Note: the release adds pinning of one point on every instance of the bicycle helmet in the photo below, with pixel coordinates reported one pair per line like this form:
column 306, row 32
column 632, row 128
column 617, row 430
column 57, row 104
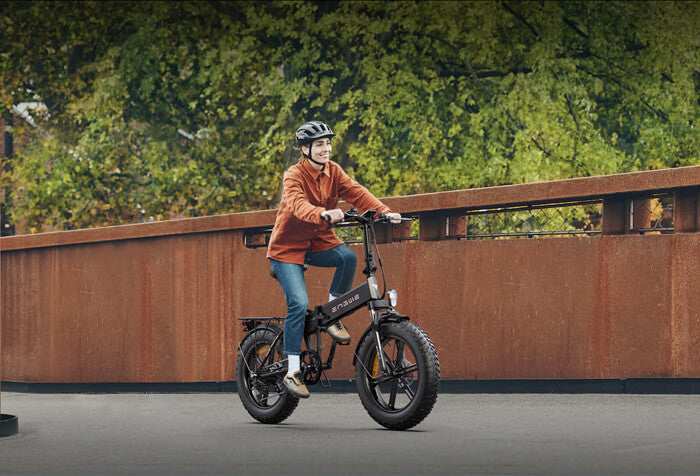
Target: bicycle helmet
column 308, row 132
column 311, row 131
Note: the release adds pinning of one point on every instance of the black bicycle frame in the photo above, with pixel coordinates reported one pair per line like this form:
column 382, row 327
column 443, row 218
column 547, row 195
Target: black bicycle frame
column 366, row 294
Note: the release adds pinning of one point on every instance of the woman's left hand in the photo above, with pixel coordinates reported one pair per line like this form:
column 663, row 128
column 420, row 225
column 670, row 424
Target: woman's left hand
column 394, row 217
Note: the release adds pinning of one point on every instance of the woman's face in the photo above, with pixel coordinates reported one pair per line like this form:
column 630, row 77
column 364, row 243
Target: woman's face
column 320, row 150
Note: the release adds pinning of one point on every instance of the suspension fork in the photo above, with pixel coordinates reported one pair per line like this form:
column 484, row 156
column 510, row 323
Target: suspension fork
column 378, row 339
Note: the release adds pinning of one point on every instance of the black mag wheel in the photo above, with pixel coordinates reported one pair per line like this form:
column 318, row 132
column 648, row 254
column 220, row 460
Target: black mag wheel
column 265, row 398
column 403, row 395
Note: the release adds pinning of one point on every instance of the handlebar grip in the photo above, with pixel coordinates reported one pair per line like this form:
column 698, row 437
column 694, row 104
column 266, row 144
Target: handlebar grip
column 385, row 217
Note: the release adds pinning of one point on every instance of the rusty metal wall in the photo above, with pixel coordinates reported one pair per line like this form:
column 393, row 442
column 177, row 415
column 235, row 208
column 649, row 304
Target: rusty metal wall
column 161, row 307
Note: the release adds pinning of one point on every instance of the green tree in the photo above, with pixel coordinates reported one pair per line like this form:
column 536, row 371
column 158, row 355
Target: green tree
column 168, row 109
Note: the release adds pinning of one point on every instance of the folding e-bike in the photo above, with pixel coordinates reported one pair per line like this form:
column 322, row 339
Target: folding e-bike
column 396, row 365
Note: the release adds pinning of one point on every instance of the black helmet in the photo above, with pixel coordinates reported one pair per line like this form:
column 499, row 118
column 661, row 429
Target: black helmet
column 311, row 131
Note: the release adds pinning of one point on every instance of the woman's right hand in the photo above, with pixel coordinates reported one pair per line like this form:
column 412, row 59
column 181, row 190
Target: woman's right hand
column 334, row 215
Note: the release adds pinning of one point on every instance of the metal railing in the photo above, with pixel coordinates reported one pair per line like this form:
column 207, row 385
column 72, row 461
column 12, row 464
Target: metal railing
column 650, row 202
column 648, row 214
column 529, row 221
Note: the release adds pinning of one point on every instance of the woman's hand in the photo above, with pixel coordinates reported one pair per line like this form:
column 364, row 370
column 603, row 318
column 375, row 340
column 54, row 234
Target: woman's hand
column 394, row 217
column 335, row 215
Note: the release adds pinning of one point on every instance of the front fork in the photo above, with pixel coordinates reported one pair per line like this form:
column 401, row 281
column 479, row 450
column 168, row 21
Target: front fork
column 374, row 293
column 378, row 339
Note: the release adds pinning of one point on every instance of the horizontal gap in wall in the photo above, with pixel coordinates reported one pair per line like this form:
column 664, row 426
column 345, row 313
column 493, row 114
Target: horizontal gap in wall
column 610, row 386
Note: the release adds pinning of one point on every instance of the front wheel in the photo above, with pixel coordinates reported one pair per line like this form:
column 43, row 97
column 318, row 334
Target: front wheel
column 404, row 394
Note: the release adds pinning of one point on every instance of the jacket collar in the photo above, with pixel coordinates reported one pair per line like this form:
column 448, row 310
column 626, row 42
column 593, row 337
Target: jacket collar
column 316, row 174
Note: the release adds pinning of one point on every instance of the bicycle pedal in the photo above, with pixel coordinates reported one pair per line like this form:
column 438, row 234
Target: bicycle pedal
column 326, row 383
column 342, row 343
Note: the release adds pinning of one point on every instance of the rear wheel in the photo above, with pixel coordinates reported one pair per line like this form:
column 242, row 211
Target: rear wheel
column 404, row 394
column 264, row 397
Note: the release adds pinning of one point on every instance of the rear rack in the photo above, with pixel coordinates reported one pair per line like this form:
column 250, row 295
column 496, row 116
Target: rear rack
column 250, row 323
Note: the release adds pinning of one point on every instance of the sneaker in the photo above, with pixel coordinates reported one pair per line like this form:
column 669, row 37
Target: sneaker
column 295, row 386
column 338, row 332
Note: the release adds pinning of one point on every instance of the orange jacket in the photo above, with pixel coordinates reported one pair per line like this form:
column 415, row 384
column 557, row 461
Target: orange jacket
column 307, row 193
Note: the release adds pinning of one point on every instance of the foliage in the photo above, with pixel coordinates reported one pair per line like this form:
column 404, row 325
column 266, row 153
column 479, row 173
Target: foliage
column 424, row 96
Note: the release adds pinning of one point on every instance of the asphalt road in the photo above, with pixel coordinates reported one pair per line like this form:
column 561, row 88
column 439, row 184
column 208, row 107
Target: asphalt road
column 332, row 434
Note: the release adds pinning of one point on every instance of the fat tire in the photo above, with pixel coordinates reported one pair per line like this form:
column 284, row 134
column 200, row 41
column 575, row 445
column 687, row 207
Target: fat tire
column 287, row 403
column 428, row 385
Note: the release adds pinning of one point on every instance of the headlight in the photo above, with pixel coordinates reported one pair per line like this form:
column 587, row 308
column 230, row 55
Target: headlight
column 393, row 297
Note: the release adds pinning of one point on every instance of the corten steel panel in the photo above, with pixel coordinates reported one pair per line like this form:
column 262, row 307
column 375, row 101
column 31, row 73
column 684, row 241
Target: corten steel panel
column 685, row 312
column 163, row 309
column 636, row 304
column 21, row 306
column 508, row 309
column 616, row 215
column 686, row 210
column 142, row 310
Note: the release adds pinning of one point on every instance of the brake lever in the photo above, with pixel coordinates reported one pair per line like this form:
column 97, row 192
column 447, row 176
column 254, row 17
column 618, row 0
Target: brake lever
column 351, row 213
column 348, row 218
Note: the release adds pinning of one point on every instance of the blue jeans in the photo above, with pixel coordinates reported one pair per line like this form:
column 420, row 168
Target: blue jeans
column 291, row 278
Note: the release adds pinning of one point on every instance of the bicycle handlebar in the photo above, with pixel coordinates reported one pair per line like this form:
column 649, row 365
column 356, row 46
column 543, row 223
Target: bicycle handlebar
column 351, row 217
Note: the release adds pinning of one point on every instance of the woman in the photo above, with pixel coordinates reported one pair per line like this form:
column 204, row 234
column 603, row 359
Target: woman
column 302, row 234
